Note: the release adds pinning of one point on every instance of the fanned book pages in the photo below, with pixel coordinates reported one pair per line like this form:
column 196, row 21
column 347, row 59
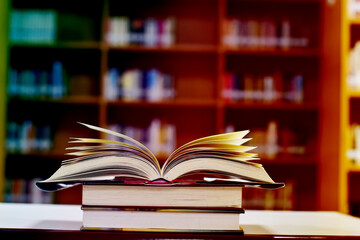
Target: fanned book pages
column 99, row 160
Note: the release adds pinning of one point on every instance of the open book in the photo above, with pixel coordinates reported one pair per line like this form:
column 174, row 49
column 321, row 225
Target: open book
column 102, row 160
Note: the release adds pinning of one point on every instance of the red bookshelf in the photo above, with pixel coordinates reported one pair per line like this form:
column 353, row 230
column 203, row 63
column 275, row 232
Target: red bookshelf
column 197, row 58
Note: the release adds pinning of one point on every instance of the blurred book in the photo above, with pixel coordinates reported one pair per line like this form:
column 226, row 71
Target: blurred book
column 26, row 137
column 354, row 67
column 150, row 32
column 33, row 26
column 354, row 153
column 25, row 191
column 267, row 88
column 261, row 34
column 274, row 141
column 134, row 85
column 38, row 83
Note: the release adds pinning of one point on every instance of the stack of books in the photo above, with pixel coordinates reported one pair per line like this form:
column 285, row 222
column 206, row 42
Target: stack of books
column 161, row 207
column 198, row 188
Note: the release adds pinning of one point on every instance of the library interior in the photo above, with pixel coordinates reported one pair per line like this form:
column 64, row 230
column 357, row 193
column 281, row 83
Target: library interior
column 168, row 72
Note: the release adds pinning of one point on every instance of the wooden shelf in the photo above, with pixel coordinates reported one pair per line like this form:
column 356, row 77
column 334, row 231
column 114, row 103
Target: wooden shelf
column 290, row 160
column 353, row 168
column 274, row 106
column 191, row 103
column 177, row 48
column 291, row 52
column 77, row 100
column 197, row 61
column 70, row 45
column 354, row 93
column 353, row 21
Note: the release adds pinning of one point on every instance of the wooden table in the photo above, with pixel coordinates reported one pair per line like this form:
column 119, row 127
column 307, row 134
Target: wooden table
column 46, row 221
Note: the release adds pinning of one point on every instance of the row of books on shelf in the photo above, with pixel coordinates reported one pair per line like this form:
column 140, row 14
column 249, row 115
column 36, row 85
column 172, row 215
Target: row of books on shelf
column 33, row 26
column 274, row 141
column 38, row 83
column 354, row 8
column 193, row 208
column 354, row 152
column 159, row 136
column 354, row 67
column 162, row 208
column 281, row 199
column 268, row 88
column 124, row 31
column 134, row 84
column 27, row 137
column 254, row 33
column 25, row 191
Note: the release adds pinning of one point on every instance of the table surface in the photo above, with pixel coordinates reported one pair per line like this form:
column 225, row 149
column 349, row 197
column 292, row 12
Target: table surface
column 51, row 217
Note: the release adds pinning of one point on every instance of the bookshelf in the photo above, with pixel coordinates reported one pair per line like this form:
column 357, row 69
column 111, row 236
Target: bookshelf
column 350, row 102
column 194, row 51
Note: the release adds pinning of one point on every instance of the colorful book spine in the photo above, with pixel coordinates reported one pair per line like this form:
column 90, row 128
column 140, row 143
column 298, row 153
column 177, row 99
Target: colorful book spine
column 354, row 8
column 256, row 33
column 267, row 88
column 38, row 84
column 354, row 69
column 26, row 137
column 33, row 26
column 282, row 199
column 273, row 141
column 25, row 191
column 354, row 153
column 151, row 32
column 135, row 85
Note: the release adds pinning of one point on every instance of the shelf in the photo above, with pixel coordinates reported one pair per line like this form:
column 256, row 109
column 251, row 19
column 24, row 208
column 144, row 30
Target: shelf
column 178, row 48
column 354, row 21
column 274, row 106
column 353, row 168
column 289, row 160
column 78, row 100
column 198, row 62
column 38, row 155
column 295, row 52
column 354, row 93
column 175, row 103
column 67, row 45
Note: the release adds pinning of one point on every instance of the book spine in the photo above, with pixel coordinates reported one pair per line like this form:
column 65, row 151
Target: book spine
column 354, row 153
column 267, row 88
column 38, row 83
column 275, row 141
column 25, row 191
column 150, row 32
column 282, row 199
column 257, row 33
column 26, row 137
column 33, row 26
column 136, row 84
